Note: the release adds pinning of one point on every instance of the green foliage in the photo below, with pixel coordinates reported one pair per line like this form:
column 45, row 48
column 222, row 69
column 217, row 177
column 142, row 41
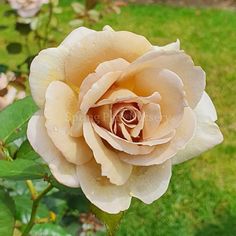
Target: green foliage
column 111, row 221
column 23, row 208
column 22, row 170
column 27, row 152
column 14, row 48
column 7, row 214
column 49, row 229
column 22, row 28
column 13, row 119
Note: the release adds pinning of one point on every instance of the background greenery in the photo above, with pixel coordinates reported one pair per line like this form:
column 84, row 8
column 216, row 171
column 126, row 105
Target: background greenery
column 201, row 199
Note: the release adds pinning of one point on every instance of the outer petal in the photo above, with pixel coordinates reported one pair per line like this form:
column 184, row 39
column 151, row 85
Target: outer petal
column 112, row 167
column 62, row 170
column 103, row 46
column 207, row 134
column 175, row 46
column 150, row 183
column 48, row 66
column 193, row 77
column 76, row 36
column 108, row 197
column 60, row 106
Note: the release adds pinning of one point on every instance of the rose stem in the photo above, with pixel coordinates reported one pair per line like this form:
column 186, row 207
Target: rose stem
column 34, row 209
column 32, row 189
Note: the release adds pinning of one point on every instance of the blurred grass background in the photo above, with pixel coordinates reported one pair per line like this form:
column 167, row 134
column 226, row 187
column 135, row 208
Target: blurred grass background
column 201, row 199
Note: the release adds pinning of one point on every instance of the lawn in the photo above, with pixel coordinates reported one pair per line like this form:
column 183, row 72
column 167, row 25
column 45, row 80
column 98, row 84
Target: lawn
column 201, row 199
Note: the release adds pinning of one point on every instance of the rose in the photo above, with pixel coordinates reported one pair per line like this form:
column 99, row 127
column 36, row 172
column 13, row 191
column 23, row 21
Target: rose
column 116, row 112
column 27, row 8
column 8, row 92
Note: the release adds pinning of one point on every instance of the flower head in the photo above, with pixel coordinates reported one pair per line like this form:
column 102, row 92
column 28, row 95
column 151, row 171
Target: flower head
column 27, row 8
column 116, row 112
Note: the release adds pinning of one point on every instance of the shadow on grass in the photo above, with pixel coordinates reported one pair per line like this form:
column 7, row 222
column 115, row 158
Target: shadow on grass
column 225, row 226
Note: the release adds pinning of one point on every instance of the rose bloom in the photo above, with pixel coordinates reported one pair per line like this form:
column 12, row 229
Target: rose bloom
column 116, row 112
column 8, row 92
column 27, row 8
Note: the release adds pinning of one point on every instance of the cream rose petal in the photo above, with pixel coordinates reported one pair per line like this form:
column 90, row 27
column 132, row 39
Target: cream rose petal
column 163, row 152
column 103, row 46
column 62, row 170
column 172, row 101
column 152, row 120
column 118, row 64
column 193, row 77
column 207, row 134
column 139, row 127
column 48, row 66
column 116, row 95
column 112, row 167
column 121, row 144
column 76, row 36
column 175, row 46
column 98, row 89
column 150, row 183
column 108, row 197
column 60, row 106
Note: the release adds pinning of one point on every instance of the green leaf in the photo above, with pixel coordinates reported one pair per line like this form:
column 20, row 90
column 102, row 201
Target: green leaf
column 7, row 214
column 111, row 221
column 14, row 118
column 49, row 229
column 22, row 170
column 27, row 152
column 23, row 29
column 14, row 48
column 20, row 133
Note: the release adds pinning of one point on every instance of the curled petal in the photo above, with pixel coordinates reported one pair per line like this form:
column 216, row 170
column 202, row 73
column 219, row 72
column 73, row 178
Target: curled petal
column 121, row 144
column 60, row 106
column 152, row 120
column 175, row 46
column 48, row 66
column 150, row 183
column 62, row 170
column 170, row 88
column 108, row 197
column 97, row 90
column 207, row 134
column 118, row 64
column 164, row 152
column 116, row 95
column 76, row 36
column 112, row 167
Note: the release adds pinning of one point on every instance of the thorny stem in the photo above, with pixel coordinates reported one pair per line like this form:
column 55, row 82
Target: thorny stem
column 34, row 210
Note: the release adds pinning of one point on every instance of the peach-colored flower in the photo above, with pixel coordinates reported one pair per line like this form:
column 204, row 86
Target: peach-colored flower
column 27, row 8
column 116, row 112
